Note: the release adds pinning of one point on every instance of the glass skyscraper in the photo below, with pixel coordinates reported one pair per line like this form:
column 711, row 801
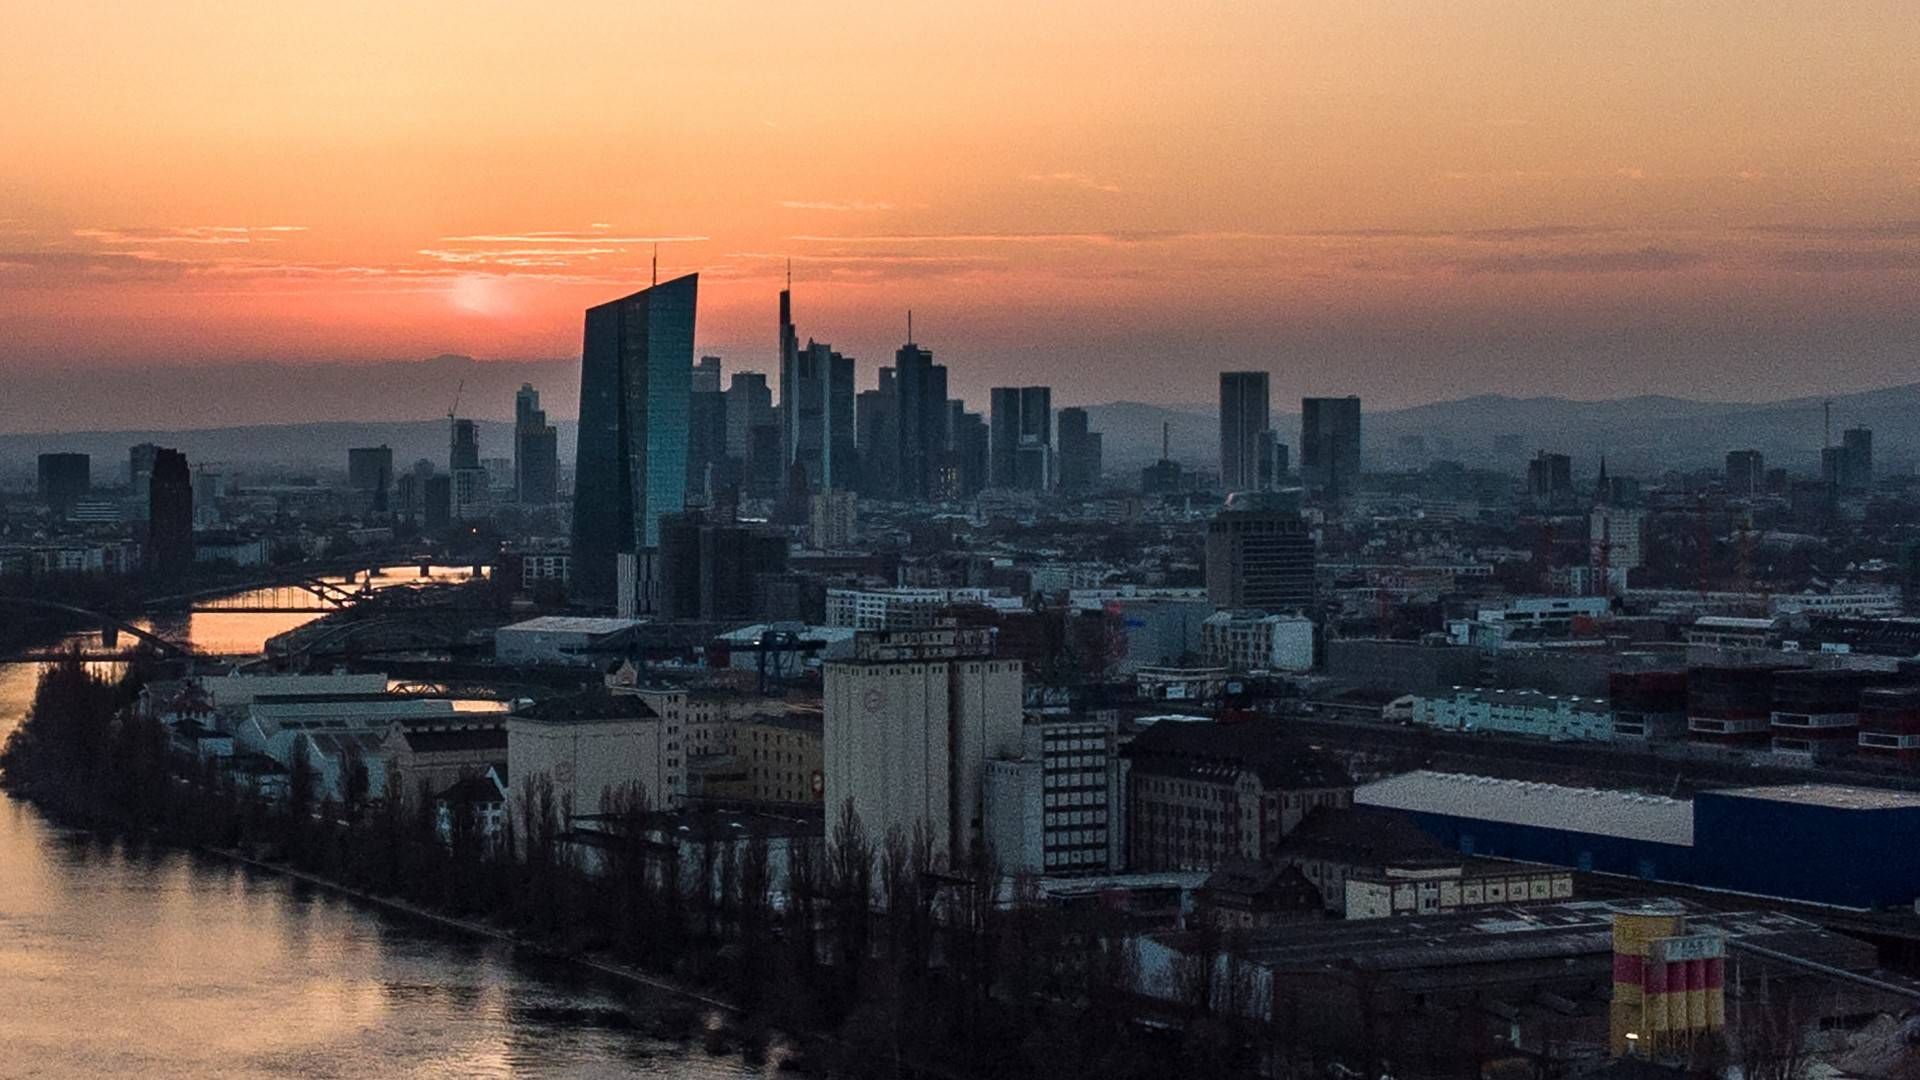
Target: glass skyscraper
column 636, row 379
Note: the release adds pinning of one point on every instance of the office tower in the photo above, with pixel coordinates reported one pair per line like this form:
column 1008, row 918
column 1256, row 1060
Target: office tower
column 1330, row 446
column 763, row 477
column 818, row 418
column 636, row 376
column 1273, row 463
column 436, row 512
column 910, row 724
column 140, row 466
column 706, row 424
column 1244, row 417
column 536, row 451
column 64, row 479
column 1079, row 453
column 1550, row 478
column 749, row 405
column 708, row 568
column 1833, row 466
column 1746, row 473
column 1858, row 445
column 464, row 450
column 972, row 451
column 1022, row 423
column 170, row 515
column 1260, row 554
column 920, row 390
column 471, row 486
column 370, row 475
column 877, row 432
column 706, row 376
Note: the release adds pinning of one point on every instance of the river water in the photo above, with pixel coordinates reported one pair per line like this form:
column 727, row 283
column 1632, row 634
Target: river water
column 155, row 963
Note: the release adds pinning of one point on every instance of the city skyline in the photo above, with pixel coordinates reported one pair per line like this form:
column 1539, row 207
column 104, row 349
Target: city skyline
column 1595, row 205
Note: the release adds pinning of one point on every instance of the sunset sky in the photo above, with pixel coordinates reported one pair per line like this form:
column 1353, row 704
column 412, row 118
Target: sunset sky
column 1409, row 201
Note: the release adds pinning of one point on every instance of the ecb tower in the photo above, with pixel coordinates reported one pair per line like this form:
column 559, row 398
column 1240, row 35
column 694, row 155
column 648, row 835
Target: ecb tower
column 636, row 380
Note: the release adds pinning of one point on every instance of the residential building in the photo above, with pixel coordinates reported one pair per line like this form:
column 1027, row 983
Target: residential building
column 1559, row 717
column 895, row 609
column 635, row 377
column 832, row 520
column 1047, row 809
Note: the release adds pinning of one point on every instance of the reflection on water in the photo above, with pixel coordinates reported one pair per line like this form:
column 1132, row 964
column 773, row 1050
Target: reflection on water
column 128, row 961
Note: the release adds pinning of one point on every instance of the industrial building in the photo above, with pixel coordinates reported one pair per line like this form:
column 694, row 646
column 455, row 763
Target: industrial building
column 561, row 639
column 1818, row 843
column 1531, row 713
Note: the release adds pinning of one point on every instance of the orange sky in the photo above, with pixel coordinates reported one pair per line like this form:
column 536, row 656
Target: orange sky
column 1405, row 200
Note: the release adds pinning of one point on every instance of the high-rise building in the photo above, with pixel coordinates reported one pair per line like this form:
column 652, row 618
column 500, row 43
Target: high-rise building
column 1022, row 437
column 1244, row 418
column 1550, row 478
column 1857, row 474
column 920, row 391
column 64, row 479
column 170, row 515
column 971, row 446
column 140, row 466
column 1746, row 473
column 1273, row 464
column 749, row 405
column 708, row 568
column 706, row 424
column 536, row 451
column 472, row 487
column 635, row 380
column 816, row 406
column 436, row 496
column 370, row 475
column 832, row 521
column 1080, row 450
column 706, row 375
column 1260, row 554
column 911, row 722
column 877, row 428
column 1330, row 446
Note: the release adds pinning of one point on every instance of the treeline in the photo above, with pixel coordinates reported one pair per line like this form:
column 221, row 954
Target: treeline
column 898, row 965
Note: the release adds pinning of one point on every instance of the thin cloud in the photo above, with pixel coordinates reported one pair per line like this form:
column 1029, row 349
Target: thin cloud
column 1882, row 229
column 1073, row 179
column 563, row 236
column 1830, row 260
column 190, row 234
column 855, row 207
column 1642, row 260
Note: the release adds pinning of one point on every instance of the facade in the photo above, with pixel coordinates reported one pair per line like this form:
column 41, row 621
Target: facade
column 785, row 759
column 369, row 473
column 1444, row 890
column 920, row 423
column 1047, row 810
column 1257, row 641
column 894, row 609
column 1616, row 536
column 635, row 378
column 1730, row 704
column 1856, row 471
column 1816, row 713
column 1022, row 437
column 911, row 723
column 170, row 515
column 559, row 639
column 749, row 405
column 1746, row 474
column 1330, row 446
column 433, row 756
column 1201, row 794
column 595, row 744
column 1259, row 555
column 832, row 520
column 1550, row 478
column 63, row 480
column 1890, row 725
column 1561, row 718
column 1245, row 403
column 1156, row 630
column 708, row 569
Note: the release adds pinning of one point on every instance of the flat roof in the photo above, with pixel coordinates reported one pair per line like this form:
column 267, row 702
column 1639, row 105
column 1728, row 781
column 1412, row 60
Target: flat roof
column 571, row 624
column 1834, row 796
column 1627, row 815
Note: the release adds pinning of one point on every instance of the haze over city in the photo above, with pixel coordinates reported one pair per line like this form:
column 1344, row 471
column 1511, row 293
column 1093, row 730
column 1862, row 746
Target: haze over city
column 1410, row 202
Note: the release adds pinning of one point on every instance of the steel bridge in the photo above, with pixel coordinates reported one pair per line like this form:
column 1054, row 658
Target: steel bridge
column 110, row 626
column 309, row 595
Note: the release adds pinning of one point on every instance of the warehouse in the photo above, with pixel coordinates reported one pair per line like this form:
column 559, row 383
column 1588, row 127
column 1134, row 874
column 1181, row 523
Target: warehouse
column 561, row 639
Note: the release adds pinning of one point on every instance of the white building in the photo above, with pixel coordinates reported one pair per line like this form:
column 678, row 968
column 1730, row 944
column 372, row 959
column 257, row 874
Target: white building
column 1619, row 534
column 593, row 744
column 557, row 639
column 1540, row 616
column 1046, row 812
column 900, row 609
column 1257, row 641
column 1444, row 890
column 911, row 722
column 1517, row 712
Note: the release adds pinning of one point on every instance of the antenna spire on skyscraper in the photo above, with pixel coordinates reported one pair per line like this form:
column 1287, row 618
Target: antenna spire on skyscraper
column 909, row 326
column 656, row 262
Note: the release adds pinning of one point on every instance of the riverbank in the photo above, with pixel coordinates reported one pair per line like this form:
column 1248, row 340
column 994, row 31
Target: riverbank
column 478, row 929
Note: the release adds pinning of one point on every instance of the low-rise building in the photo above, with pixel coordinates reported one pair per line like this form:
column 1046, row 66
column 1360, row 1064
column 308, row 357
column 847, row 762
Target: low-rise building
column 1048, row 809
column 594, row 744
column 1258, row 641
column 1516, row 712
column 561, row 639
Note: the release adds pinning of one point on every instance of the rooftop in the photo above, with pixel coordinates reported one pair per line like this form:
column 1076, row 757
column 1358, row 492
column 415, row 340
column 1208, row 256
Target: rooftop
column 1833, row 796
column 1624, row 814
column 571, row 624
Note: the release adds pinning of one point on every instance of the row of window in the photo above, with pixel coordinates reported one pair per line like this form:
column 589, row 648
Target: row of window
column 1077, row 798
column 1077, row 817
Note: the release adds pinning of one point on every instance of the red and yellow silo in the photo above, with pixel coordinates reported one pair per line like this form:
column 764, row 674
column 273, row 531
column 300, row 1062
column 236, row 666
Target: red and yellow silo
column 1668, row 983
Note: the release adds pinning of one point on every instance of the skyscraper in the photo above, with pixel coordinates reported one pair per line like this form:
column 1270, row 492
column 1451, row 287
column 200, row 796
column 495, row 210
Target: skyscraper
column 1746, row 473
column 1022, row 427
column 472, row 490
column 636, row 376
column 170, row 515
column 920, row 389
column 749, row 405
column 536, row 451
column 64, row 479
column 1244, row 417
column 370, row 475
column 1260, row 554
column 706, row 423
column 1857, row 474
column 1080, row 450
column 1330, row 446
column 1273, row 463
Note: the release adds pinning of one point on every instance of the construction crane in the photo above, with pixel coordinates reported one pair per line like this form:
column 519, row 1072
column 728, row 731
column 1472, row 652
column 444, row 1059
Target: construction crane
column 453, row 410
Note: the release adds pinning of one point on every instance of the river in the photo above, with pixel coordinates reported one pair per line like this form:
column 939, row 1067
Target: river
column 117, row 960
